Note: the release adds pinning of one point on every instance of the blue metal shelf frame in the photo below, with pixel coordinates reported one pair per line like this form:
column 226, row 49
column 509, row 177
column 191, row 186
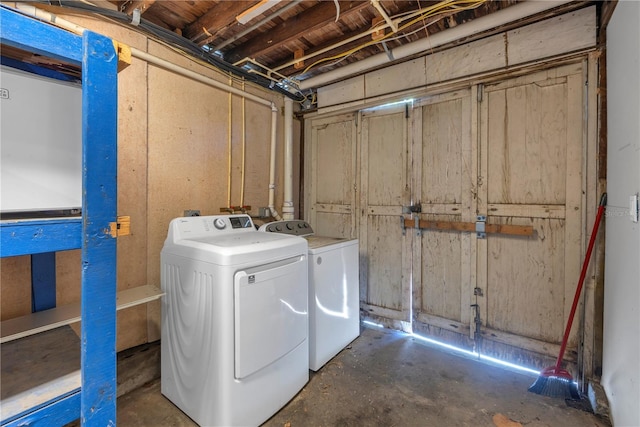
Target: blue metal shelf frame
column 96, row 405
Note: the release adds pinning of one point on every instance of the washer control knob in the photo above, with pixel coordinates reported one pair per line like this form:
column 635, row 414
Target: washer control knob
column 219, row 223
column 278, row 228
column 289, row 226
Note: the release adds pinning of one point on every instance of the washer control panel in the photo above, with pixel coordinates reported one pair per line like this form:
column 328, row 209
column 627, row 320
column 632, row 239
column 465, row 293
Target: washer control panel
column 202, row 226
column 296, row 227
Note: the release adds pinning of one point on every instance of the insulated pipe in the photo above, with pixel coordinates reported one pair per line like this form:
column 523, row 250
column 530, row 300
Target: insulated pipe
column 485, row 23
column 287, row 207
column 70, row 26
column 272, row 164
column 195, row 76
column 230, row 146
column 244, row 149
column 44, row 15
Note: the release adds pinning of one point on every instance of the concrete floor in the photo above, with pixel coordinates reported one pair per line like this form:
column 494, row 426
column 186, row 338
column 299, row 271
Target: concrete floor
column 385, row 378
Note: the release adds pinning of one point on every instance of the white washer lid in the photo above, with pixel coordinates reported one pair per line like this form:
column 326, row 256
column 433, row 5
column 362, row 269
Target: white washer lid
column 319, row 244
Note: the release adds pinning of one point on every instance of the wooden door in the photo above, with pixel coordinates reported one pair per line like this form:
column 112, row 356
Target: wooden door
column 385, row 261
column 445, row 184
column 532, row 134
column 331, row 164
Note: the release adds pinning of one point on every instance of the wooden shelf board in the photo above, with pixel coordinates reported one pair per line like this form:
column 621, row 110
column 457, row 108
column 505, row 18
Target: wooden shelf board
column 39, row 396
column 45, row 320
column 39, row 370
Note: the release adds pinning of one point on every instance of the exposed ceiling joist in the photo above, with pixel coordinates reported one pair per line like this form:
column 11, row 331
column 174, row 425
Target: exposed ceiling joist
column 216, row 19
column 312, row 19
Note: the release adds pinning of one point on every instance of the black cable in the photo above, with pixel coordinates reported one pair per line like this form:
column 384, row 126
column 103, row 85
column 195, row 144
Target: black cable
column 180, row 42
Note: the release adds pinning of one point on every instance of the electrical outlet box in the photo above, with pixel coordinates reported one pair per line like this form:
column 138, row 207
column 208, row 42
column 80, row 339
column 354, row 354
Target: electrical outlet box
column 633, row 207
column 192, row 212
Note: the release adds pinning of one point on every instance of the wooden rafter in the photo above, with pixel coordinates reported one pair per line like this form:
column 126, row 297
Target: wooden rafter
column 314, row 18
column 220, row 16
column 142, row 5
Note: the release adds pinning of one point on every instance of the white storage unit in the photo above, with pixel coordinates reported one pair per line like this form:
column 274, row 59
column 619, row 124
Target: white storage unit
column 334, row 307
column 41, row 147
column 234, row 320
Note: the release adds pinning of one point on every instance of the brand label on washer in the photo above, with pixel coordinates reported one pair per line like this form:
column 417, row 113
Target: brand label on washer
column 252, row 279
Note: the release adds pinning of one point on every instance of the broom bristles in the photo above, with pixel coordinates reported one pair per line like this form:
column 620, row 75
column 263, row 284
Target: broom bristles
column 554, row 386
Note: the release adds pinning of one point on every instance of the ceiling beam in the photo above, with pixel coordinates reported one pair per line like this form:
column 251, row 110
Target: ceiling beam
column 314, row 18
column 289, row 71
column 142, row 5
column 219, row 17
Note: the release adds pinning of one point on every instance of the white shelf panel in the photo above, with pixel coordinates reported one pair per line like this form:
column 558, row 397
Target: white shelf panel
column 30, row 324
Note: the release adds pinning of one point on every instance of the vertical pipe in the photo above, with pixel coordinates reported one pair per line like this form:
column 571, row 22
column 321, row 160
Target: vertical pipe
column 272, row 163
column 229, row 147
column 287, row 207
column 244, row 145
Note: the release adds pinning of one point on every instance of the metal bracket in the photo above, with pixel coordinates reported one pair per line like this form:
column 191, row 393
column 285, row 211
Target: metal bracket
column 404, row 229
column 481, row 230
column 416, row 225
column 478, row 292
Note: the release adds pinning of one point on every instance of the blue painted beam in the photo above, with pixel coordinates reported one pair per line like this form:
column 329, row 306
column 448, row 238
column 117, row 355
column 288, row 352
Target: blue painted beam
column 99, row 165
column 45, row 40
column 58, row 412
column 43, row 281
column 39, row 236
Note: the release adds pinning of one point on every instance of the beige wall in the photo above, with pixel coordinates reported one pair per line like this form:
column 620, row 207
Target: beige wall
column 172, row 155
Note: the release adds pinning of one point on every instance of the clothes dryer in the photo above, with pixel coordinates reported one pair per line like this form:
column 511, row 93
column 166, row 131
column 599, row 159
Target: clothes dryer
column 234, row 319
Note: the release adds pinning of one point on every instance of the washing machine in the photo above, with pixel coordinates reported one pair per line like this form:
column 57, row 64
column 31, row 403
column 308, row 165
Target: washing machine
column 334, row 297
column 234, row 345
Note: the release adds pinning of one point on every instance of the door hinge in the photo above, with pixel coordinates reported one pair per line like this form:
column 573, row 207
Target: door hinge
column 122, row 227
column 481, row 229
column 477, row 321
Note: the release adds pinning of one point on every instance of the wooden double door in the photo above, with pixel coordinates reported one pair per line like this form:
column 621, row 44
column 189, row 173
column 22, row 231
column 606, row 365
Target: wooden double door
column 507, row 153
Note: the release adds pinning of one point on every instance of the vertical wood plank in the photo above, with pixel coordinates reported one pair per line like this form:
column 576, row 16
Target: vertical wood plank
column 575, row 245
column 489, row 103
column 363, row 139
column 99, row 164
column 591, row 327
column 417, row 165
column 468, row 201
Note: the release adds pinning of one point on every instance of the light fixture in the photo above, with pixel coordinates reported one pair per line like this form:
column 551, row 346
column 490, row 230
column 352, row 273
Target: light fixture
column 256, row 10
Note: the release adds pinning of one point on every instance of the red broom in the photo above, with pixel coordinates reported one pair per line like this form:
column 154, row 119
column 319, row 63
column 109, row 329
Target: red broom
column 555, row 381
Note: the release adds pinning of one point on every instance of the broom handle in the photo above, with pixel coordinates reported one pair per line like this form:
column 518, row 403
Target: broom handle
column 583, row 273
